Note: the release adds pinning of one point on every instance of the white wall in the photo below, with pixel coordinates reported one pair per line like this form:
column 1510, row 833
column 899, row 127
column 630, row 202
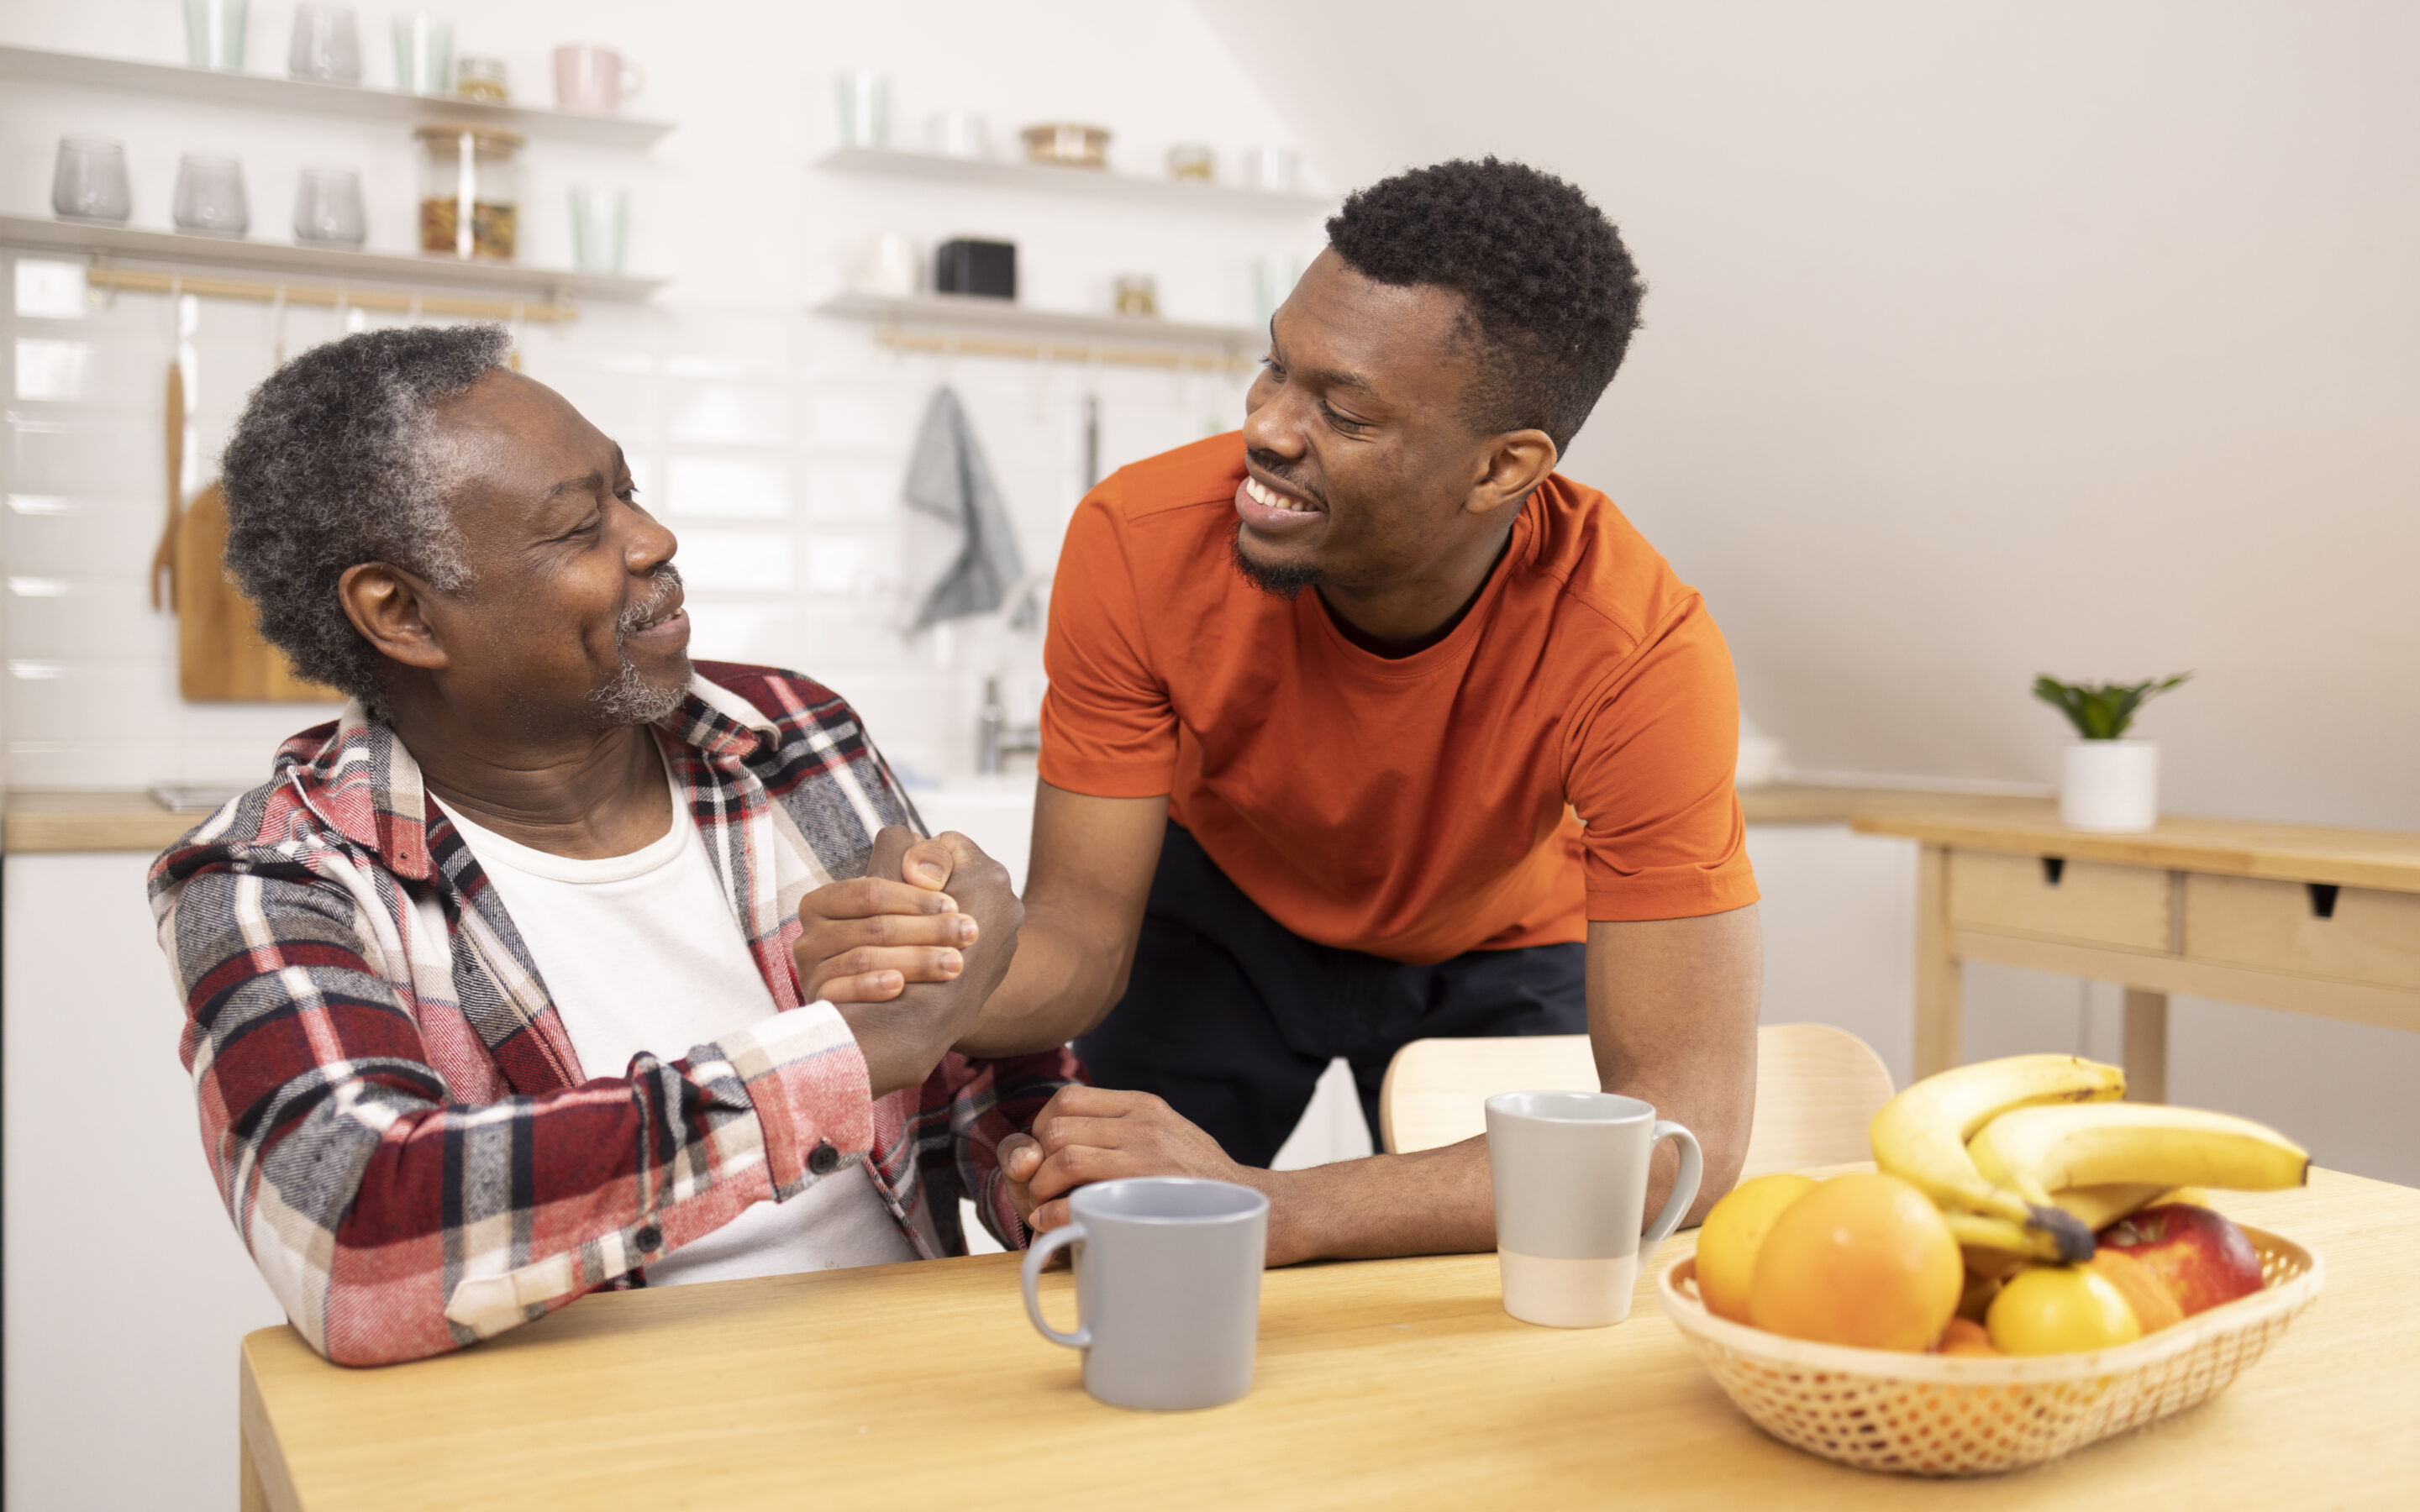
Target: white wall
column 1982, row 341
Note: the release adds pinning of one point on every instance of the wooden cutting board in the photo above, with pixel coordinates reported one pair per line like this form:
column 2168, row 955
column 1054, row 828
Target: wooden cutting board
column 220, row 657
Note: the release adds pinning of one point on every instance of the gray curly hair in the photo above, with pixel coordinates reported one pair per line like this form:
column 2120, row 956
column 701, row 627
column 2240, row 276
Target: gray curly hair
column 332, row 466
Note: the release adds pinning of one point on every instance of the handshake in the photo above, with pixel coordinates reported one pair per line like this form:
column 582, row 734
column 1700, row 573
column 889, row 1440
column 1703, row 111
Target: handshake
column 912, row 953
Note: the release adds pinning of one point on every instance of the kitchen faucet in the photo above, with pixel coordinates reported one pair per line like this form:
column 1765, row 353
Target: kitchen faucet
column 995, row 737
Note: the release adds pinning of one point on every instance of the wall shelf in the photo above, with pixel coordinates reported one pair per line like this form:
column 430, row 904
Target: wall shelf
column 178, row 250
column 267, row 91
column 1093, row 183
column 999, row 327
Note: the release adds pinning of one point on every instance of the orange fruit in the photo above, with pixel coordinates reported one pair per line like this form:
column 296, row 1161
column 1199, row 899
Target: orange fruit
column 2061, row 1309
column 1865, row 1260
column 1734, row 1231
column 1966, row 1337
column 2154, row 1305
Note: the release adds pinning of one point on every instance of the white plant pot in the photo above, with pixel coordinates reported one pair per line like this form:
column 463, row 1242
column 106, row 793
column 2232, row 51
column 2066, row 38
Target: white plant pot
column 2109, row 785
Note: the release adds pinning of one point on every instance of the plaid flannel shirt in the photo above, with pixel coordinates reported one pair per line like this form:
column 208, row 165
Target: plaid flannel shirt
column 394, row 1114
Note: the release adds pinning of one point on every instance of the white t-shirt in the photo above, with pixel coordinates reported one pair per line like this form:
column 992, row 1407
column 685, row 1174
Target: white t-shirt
column 643, row 953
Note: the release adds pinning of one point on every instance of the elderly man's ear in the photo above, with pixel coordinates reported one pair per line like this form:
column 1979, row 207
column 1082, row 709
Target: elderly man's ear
column 383, row 602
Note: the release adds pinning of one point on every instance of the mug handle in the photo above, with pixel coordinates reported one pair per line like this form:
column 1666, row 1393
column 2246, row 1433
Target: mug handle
column 633, row 81
column 1684, row 1187
column 1060, row 1237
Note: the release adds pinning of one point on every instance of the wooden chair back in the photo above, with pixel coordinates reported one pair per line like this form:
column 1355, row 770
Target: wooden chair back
column 1817, row 1087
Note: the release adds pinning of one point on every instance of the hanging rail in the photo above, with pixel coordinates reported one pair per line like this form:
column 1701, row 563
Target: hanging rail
column 133, row 281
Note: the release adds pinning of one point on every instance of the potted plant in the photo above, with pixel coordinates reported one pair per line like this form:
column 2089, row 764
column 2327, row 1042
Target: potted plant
column 2106, row 782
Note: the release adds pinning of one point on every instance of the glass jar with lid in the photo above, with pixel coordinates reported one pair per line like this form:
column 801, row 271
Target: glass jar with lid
column 470, row 193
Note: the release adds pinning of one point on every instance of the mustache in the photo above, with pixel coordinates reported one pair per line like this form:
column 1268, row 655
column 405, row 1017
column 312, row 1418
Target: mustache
column 1274, row 466
column 667, row 580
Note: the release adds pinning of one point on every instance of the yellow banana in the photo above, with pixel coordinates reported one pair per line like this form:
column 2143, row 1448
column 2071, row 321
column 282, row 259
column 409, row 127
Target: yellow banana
column 1920, row 1137
column 2098, row 1207
column 1975, row 1231
column 2038, row 1151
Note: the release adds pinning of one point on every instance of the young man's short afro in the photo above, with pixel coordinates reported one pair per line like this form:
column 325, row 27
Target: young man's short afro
column 1552, row 291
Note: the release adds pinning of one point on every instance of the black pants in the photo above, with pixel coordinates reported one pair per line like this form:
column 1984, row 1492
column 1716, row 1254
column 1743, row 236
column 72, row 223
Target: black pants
column 1231, row 1017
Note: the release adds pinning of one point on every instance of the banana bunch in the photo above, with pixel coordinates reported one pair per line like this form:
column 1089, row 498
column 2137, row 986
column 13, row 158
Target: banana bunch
column 1920, row 1137
column 2029, row 1155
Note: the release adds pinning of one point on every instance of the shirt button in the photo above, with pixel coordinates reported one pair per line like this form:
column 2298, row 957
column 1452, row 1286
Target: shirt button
column 649, row 1237
column 823, row 1159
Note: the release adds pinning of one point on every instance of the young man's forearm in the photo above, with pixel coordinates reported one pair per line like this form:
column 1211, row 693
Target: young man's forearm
column 1064, row 980
column 1443, row 1201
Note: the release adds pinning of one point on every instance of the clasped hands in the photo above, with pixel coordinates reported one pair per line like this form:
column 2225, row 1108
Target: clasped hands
column 910, row 952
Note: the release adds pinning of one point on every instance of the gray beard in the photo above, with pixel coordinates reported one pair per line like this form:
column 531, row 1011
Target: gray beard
column 631, row 697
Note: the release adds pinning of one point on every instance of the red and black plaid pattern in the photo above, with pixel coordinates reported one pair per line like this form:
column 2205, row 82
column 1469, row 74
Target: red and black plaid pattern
column 394, row 1114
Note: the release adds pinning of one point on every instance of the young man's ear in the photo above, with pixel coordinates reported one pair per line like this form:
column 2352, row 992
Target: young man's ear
column 1516, row 462
column 384, row 604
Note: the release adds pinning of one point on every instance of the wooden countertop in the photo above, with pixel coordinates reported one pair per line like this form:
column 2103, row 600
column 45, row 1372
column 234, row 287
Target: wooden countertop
column 39, row 820
column 1393, row 1383
column 2383, row 858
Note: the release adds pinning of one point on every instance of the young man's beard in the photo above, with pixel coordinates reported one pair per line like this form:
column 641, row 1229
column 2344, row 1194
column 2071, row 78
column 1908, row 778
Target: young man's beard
column 1278, row 582
column 632, row 697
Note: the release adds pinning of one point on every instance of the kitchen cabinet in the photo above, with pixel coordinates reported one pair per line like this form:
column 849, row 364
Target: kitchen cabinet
column 126, row 1291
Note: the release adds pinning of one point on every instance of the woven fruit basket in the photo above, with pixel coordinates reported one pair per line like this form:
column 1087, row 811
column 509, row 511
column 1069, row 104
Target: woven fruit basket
column 1929, row 1414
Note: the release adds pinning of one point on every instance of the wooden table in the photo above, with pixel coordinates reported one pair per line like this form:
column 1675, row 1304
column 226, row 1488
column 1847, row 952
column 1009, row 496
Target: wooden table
column 1393, row 1383
column 2292, row 916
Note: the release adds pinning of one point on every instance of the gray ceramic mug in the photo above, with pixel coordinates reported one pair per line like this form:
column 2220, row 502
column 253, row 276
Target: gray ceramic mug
column 1168, row 1288
column 1570, row 1186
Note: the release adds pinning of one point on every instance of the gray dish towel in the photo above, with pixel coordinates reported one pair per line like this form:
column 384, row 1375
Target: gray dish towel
column 949, row 483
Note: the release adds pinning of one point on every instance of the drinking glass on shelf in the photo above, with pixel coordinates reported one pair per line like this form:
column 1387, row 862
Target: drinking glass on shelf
column 600, row 224
column 957, row 133
column 328, row 208
column 1278, row 170
column 90, row 183
column 214, row 35
column 424, row 55
column 210, row 196
column 481, row 78
column 327, row 44
column 863, row 97
column 1194, row 162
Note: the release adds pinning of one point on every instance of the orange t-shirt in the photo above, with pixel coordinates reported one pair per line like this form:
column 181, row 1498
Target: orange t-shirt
column 1419, row 807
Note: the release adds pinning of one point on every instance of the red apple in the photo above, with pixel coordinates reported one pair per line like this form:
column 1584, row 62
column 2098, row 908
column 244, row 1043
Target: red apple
column 2197, row 1254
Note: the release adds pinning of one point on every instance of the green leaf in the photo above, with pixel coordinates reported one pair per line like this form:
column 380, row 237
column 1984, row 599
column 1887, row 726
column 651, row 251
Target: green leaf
column 2102, row 711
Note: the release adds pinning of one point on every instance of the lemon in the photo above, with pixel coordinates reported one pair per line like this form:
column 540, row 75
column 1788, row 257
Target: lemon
column 2061, row 1309
column 1734, row 1231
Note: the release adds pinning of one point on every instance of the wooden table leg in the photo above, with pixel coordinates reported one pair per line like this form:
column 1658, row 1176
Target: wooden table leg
column 252, row 1496
column 2145, row 1047
column 1938, row 1007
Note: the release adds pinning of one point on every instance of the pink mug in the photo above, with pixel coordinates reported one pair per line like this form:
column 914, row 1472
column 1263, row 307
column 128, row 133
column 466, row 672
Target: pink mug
column 593, row 79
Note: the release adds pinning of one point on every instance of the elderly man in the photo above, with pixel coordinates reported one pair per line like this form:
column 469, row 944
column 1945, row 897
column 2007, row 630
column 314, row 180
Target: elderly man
column 490, row 993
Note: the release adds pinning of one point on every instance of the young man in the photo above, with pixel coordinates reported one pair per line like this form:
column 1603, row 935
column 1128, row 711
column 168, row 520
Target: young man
column 490, row 993
column 1366, row 725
